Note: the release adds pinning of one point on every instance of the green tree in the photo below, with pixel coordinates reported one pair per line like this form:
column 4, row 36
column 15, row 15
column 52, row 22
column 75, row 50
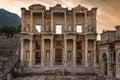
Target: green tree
column 8, row 30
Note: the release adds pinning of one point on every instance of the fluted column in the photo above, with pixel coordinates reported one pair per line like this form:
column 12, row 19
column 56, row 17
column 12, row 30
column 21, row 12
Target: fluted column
column 65, row 52
column 31, row 52
column 86, row 51
column 51, row 53
column 42, row 54
column 74, row 52
column 22, row 51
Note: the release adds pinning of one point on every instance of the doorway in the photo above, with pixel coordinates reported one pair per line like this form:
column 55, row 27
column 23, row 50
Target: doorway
column 37, row 58
column 58, row 57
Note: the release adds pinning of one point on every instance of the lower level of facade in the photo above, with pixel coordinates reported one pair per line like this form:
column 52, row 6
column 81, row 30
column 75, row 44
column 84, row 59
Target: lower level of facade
column 58, row 50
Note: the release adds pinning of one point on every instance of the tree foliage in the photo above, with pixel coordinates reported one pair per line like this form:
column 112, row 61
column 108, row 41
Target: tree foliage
column 9, row 31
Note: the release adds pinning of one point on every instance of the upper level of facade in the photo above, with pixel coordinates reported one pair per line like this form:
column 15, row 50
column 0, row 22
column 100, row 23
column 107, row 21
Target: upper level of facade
column 58, row 20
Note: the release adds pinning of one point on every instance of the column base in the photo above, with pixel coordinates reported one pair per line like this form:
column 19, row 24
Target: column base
column 51, row 65
column 30, row 64
column 95, row 65
column 42, row 64
column 74, row 65
column 86, row 65
column 65, row 65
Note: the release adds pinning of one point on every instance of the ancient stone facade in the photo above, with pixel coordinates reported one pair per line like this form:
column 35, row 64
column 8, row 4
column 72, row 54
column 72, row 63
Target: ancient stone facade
column 117, row 50
column 109, row 52
column 73, row 44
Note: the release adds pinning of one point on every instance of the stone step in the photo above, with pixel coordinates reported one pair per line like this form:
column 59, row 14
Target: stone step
column 61, row 70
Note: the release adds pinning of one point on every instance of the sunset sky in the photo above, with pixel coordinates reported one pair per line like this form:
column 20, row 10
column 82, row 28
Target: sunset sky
column 108, row 15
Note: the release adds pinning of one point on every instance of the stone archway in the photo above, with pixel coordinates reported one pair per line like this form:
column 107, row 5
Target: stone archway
column 104, row 62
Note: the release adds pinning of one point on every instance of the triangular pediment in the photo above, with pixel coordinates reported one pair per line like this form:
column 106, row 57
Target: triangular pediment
column 37, row 7
column 79, row 7
column 58, row 7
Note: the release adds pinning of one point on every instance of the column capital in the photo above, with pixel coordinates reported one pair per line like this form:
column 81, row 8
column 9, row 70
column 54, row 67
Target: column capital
column 65, row 39
column 74, row 39
column 21, row 39
column 31, row 39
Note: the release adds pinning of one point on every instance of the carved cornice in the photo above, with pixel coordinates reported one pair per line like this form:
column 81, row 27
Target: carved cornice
column 37, row 7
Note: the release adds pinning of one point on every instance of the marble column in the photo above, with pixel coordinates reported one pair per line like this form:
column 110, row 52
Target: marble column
column 51, row 53
column 51, row 21
column 65, row 21
column 22, row 51
column 86, row 22
column 74, row 53
column 65, row 52
column 31, row 21
column 74, row 21
column 23, row 21
column 42, row 22
column 95, row 59
column 86, row 51
column 31, row 53
column 42, row 54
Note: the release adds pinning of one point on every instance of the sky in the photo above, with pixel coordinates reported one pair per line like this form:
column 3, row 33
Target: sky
column 108, row 13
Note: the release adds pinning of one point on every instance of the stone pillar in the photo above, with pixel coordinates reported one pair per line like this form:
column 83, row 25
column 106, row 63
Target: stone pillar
column 22, row 51
column 31, row 21
column 74, row 53
column 65, row 52
column 31, row 52
column 74, row 21
column 42, row 22
column 86, row 51
column 23, row 21
column 51, row 21
column 95, row 53
column 86, row 22
column 109, row 63
column 51, row 53
column 65, row 22
column 117, row 61
column 42, row 54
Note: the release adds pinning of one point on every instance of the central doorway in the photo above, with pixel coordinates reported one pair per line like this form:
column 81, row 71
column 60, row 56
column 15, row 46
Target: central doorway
column 79, row 58
column 37, row 58
column 58, row 57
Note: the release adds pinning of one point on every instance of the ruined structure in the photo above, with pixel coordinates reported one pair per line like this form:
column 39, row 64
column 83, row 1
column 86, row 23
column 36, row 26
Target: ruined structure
column 58, row 36
column 109, row 52
column 117, row 50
